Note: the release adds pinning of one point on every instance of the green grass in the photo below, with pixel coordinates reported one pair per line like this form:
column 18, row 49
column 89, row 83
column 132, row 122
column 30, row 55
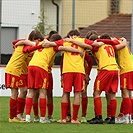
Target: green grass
column 6, row 127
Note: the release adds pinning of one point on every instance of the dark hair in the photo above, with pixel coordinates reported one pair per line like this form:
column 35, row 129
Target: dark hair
column 52, row 32
column 55, row 37
column 105, row 36
column 73, row 32
column 36, row 35
column 93, row 37
column 91, row 32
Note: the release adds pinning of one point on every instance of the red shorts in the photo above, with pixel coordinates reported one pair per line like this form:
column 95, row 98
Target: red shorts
column 107, row 81
column 37, row 78
column 23, row 80
column 126, row 81
column 50, row 79
column 11, row 81
column 73, row 79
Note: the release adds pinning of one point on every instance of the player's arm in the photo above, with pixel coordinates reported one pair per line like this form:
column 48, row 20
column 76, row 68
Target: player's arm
column 15, row 41
column 81, row 44
column 31, row 48
column 97, row 44
column 52, row 44
column 108, row 41
column 71, row 49
column 25, row 42
column 122, row 45
column 89, row 62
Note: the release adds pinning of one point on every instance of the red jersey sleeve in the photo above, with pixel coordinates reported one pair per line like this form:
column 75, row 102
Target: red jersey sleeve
column 15, row 41
column 108, row 41
column 31, row 48
column 90, row 63
column 59, row 43
column 87, row 41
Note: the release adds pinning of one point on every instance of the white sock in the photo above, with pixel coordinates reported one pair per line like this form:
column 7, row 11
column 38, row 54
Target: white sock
column 27, row 117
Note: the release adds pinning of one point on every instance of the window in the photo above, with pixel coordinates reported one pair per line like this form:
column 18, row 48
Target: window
column 114, row 6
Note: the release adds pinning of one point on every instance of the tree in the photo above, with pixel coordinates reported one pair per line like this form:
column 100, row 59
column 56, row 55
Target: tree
column 42, row 25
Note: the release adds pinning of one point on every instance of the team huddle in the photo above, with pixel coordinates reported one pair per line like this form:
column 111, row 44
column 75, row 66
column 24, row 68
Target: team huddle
column 30, row 70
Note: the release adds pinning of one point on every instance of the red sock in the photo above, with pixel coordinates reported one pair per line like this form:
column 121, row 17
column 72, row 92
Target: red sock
column 132, row 107
column 98, row 106
column 64, row 107
column 35, row 109
column 113, row 106
column 121, row 109
column 50, row 109
column 42, row 104
column 84, row 106
column 127, row 105
column 69, row 106
column 108, row 111
column 13, row 108
column 75, row 111
column 20, row 105
column 28, row 105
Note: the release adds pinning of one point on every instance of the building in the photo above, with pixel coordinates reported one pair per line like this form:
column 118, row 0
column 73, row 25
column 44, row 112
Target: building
column 18, row 18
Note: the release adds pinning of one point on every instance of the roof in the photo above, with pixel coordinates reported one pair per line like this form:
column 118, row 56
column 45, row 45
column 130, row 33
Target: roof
column 115, row 25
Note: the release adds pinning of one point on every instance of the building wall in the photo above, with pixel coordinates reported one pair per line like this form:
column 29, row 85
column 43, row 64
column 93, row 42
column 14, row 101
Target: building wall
column 20, row 13
column 126, row 6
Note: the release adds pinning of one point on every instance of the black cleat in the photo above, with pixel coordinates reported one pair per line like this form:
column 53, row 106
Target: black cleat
column 107, row 120
column 96, row 120
column 112, row 120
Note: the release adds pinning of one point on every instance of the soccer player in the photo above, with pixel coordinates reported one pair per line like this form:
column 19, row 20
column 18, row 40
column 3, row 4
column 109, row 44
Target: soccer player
column 125, row 64
column 38, row 76
column 124, row 60
column 107, row 73
column 84, row 100
column 73, row 74
column 50, row 105
column 13, row 72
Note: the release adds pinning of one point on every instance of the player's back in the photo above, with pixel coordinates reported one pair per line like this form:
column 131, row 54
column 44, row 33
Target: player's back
column 105, row 57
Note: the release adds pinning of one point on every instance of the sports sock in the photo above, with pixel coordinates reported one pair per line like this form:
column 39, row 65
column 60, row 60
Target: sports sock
column 84, row 106
column 108, row 111
column 28, row 105
column 35, row 109
column 50, row 109
column 113, row 106
column 126, row 105
column 64, row 107
column 132, row 108
column 13, row 108
column 20, row 105
column 75, row 111
column 42, row 104
column 98, row 106
column 69, row 106
column 121, row 109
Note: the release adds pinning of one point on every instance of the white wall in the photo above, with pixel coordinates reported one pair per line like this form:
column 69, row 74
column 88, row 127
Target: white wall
column 20, row 13
column 57, row 90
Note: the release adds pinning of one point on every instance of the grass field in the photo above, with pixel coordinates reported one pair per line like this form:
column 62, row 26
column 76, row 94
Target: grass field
column 6, row 127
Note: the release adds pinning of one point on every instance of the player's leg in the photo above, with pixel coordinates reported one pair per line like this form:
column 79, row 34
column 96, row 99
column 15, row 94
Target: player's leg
column 97, row 108
column 64, row 107
column 107, row 119
column 125, row 107
column 84, row 103
column 29, row 103
column 76, row 105
column 42, row 105
column 35, row 106
column 21, row 102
